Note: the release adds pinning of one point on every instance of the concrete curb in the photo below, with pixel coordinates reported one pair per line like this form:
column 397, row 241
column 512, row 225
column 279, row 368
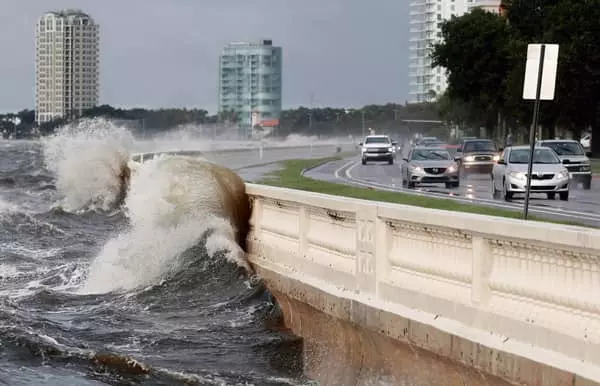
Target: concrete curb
column 316, row 166
column 313, row 167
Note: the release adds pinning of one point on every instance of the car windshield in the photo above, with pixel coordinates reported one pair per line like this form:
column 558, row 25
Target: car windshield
column 540, row 156
column 474, row 146
column 429, row 155
column 565, row 148
column 377, row 140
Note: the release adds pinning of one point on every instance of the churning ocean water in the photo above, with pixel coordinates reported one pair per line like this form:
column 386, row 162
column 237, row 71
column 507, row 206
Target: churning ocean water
column 93, row 295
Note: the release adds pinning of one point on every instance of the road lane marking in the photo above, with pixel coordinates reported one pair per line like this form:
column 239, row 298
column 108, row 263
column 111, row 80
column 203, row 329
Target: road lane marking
column 347, row 173
column 337, row 171
column 512, row 206
column 560, row 212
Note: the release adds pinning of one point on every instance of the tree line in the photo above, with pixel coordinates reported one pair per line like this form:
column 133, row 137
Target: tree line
column 327, row 121
column 485, row 56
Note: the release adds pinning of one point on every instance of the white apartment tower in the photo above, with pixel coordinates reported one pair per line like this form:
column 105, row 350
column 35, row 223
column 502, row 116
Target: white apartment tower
column 426, row 17
column 67, row 65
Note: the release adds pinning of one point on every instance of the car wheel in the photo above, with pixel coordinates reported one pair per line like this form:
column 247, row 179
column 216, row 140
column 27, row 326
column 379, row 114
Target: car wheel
column 494, row 190
column 550, row 196
column 391, row 161
column 564, row 196
column 364, row 161
column 587, row 183
column 507, row 194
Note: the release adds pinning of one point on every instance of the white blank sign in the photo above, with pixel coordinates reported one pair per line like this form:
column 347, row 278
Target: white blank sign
column 548, row 75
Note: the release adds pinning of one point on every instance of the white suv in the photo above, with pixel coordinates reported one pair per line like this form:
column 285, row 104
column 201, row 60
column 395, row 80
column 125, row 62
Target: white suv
column 377, row 148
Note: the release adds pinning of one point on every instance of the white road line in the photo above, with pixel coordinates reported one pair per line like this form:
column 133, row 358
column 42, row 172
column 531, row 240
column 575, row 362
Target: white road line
column 551, row 211
column 514, row 206
column 337, row 172
column 348, row 175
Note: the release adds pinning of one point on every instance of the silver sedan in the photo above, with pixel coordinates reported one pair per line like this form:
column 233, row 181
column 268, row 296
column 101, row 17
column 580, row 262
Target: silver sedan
column 549, row 175
column 425, row 165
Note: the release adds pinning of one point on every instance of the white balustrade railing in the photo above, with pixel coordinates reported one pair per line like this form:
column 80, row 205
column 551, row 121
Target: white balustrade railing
column 531, row 289
column 259, row 150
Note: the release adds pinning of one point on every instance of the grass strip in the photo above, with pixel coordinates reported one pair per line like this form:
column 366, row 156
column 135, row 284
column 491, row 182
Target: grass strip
column 290, row 177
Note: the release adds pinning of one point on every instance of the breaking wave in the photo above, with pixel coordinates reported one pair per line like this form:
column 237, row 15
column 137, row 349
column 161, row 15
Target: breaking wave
column 172, row 204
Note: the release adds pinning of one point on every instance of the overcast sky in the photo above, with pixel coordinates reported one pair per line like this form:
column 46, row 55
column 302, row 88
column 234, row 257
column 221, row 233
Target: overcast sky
column 164, row 53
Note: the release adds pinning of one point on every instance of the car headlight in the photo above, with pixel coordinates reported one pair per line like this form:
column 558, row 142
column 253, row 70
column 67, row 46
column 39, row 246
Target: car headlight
column 363, row 149
column 469, row 158
column 451, row 169
column 585, row 168
column 391, row 148
column 496, row 158
column 563, row 174
column 416, row 168
column 517, row 175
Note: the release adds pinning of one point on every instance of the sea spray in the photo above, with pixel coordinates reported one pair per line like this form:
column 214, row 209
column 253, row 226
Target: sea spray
column 172, row 202
column 87, row 160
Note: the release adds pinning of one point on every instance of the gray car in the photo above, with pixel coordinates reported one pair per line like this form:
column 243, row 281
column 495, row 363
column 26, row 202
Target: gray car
column 572, row 155
column 548, row 176
column 425, row 165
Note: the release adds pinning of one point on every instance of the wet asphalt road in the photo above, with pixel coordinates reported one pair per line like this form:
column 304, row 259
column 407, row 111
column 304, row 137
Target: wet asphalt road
column 583, row 205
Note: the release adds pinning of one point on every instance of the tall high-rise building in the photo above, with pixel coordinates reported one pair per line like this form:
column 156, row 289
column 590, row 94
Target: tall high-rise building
column 250, row 83
column 426, row 17
column 67, row 63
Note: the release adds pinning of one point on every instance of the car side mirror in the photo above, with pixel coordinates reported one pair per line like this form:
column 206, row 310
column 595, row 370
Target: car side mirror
column 394, row 143
column 501, row 162
column 501, row 149
column 405, row 159
column 360, row 144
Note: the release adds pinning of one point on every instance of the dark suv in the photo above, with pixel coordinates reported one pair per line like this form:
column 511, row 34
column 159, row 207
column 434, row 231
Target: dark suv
column 477, row 155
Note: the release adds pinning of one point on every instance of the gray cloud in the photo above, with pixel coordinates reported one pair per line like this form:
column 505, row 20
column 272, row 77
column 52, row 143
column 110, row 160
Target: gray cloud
column 165, row 53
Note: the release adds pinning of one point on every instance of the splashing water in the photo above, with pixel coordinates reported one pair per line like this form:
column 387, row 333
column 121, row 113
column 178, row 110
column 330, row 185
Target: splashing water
column 171, row 203
column 87, row 159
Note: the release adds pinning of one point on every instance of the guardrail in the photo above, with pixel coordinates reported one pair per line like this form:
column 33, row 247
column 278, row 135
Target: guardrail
column 141, row 157
column 520, row 300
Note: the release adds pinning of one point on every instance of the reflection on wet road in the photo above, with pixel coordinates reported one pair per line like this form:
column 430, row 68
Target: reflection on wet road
column 583, row 205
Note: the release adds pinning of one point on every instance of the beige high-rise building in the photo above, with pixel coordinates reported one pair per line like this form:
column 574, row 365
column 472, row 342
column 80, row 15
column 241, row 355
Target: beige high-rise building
column 67, row 65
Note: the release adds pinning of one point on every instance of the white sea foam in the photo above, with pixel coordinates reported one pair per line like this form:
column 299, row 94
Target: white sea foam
column 87, row 159
column 171, row 203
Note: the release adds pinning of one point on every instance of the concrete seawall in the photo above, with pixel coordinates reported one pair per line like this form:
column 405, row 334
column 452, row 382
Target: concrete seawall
column 348, row 343
column 402, row 295
column 399, row 295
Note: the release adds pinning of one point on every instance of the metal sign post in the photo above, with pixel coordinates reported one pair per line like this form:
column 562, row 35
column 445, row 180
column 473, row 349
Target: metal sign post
column 539, row 84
